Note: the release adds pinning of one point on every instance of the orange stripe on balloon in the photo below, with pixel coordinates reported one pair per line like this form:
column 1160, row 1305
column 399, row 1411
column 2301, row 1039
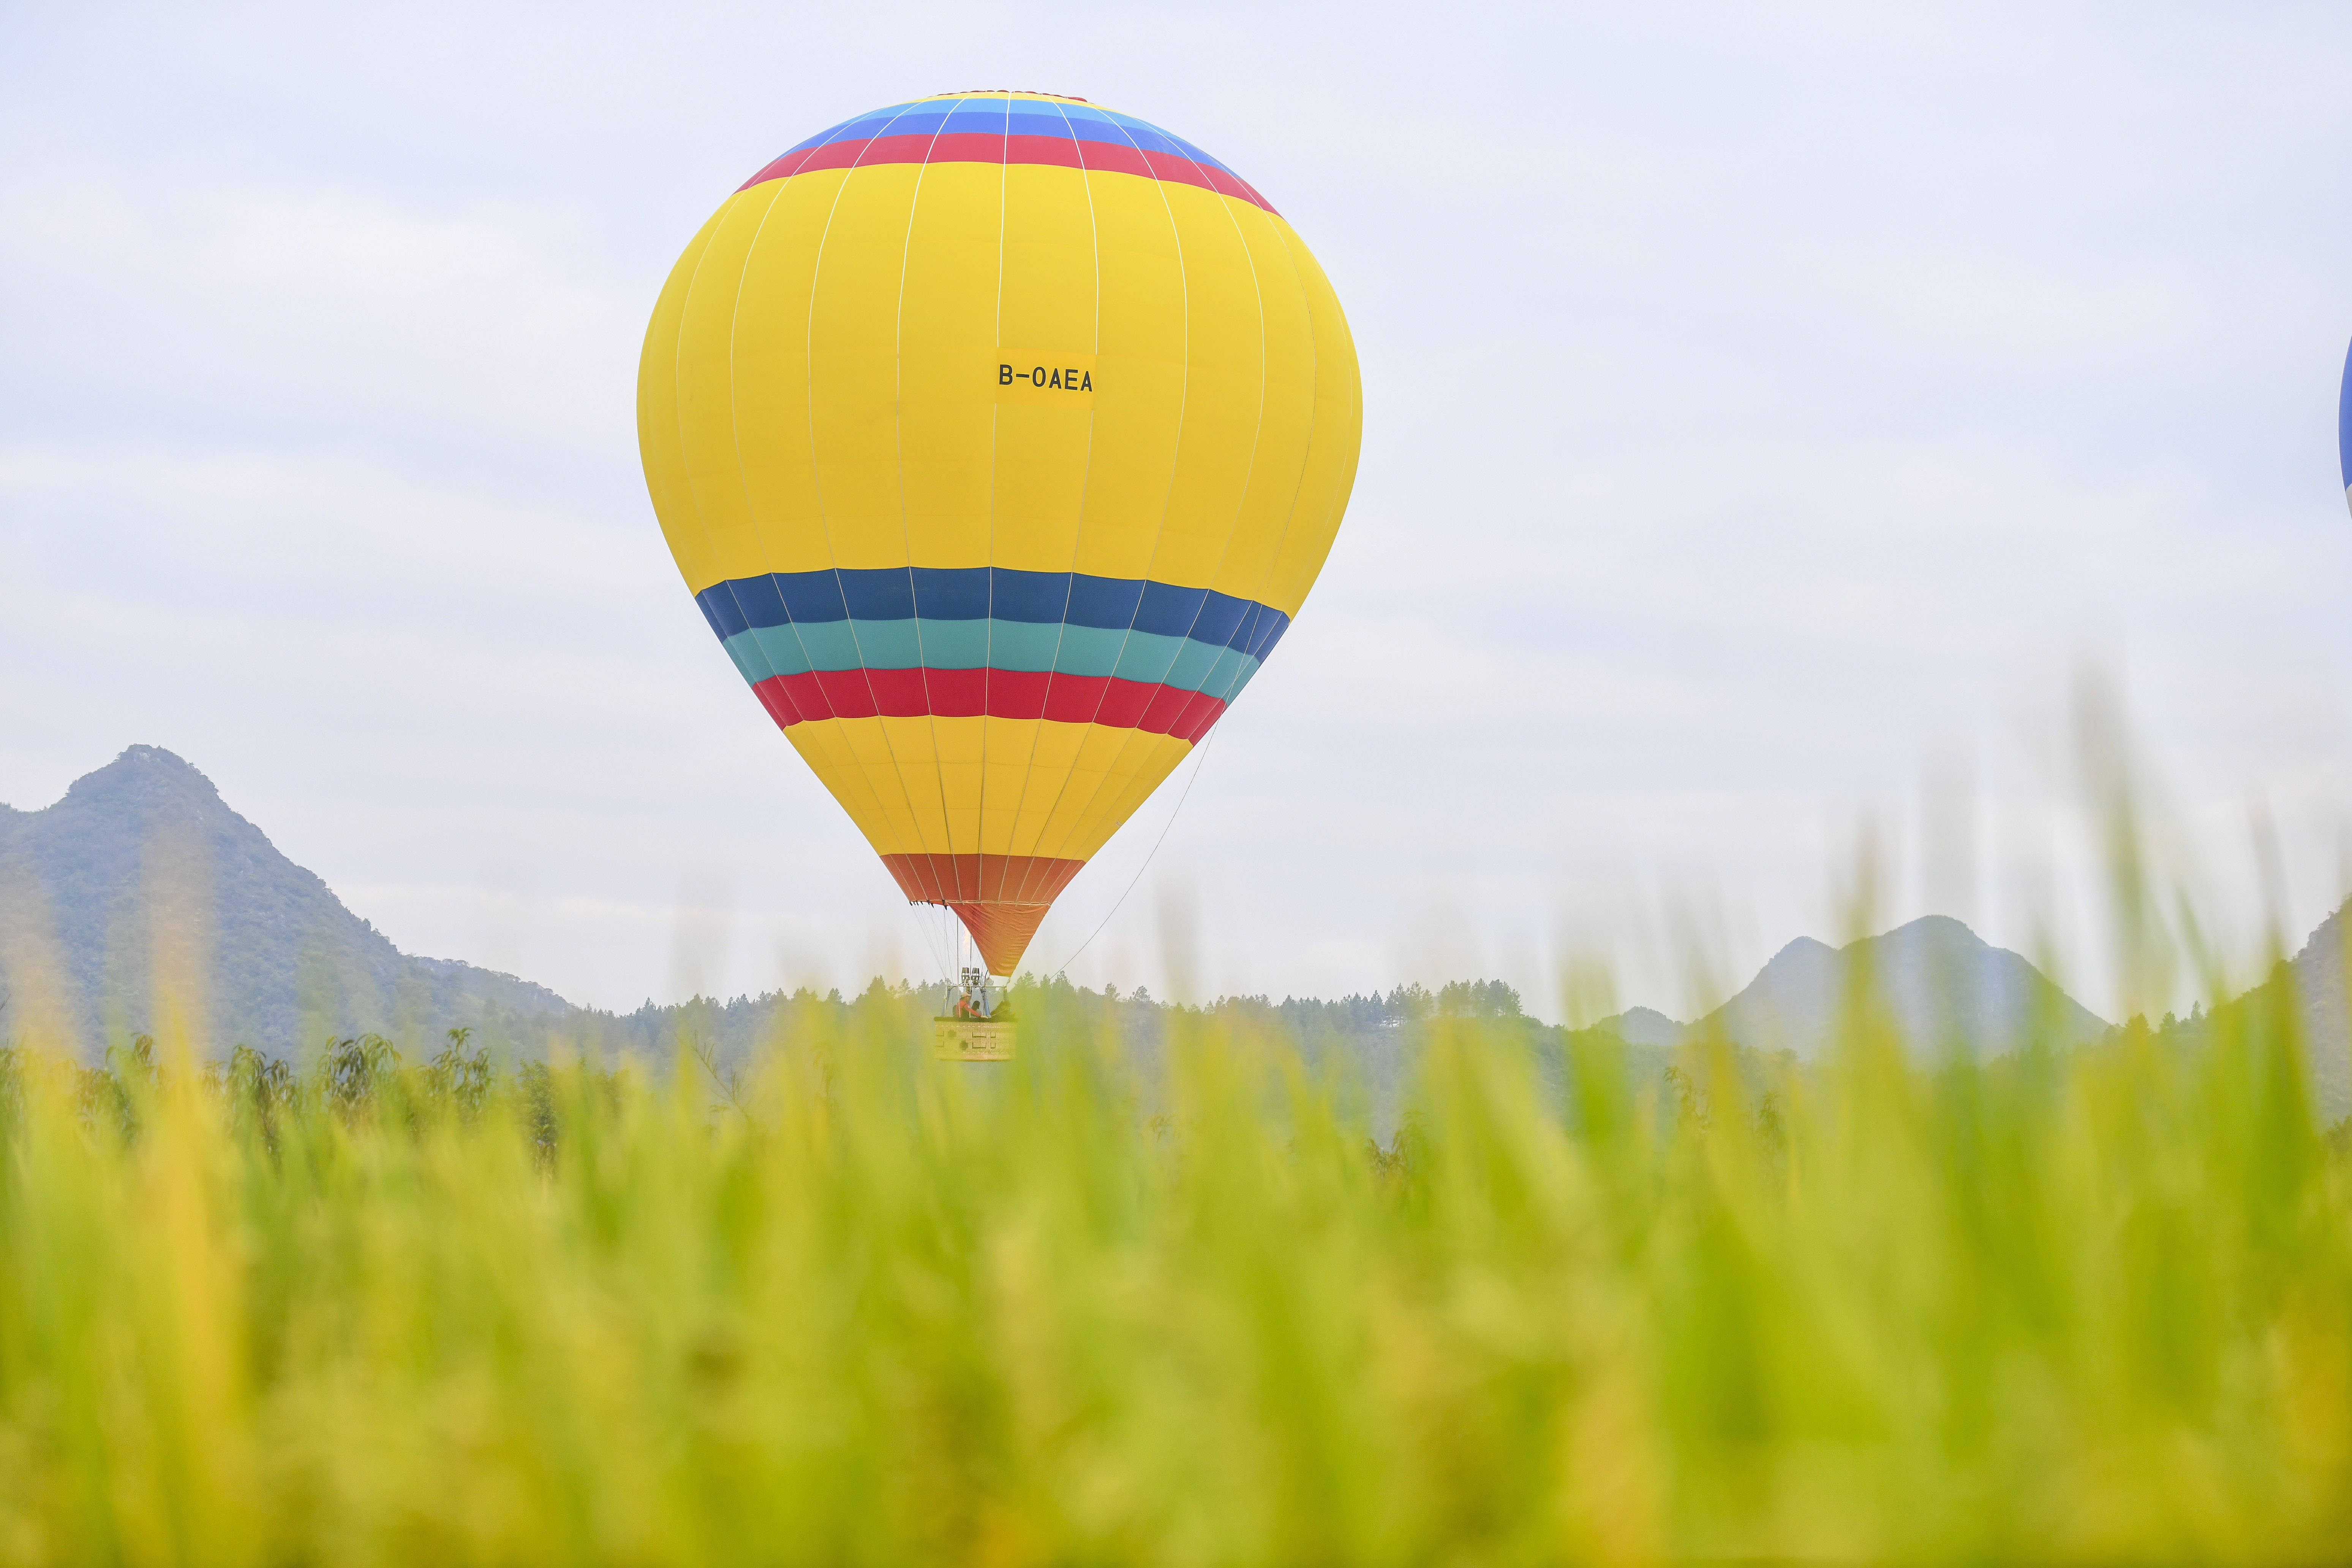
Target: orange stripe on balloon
column 980, row 879
column 974, row 887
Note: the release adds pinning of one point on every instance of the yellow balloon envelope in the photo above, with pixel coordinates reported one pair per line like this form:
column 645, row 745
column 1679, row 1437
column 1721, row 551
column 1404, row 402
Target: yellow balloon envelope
column 999, row 438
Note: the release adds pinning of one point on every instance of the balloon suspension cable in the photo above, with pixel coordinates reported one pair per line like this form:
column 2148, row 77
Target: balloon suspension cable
column 1200, row 761
column 923, row 923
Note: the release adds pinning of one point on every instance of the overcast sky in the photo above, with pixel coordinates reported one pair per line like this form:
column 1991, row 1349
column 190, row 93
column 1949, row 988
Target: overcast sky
column 1766, row 417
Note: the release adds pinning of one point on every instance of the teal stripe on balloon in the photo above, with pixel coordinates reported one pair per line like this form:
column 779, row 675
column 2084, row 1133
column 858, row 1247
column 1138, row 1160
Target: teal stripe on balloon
column 762, row 653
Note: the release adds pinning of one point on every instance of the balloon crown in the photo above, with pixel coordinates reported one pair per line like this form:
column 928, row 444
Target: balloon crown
column 1027, row 91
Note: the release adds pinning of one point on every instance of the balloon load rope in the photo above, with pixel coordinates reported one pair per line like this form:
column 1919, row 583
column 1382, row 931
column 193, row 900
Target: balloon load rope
column 924, row 922
column 978, row 1026
column 1200, row 761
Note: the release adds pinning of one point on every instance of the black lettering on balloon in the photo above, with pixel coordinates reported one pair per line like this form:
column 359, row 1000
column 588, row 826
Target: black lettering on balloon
column 1047, row 378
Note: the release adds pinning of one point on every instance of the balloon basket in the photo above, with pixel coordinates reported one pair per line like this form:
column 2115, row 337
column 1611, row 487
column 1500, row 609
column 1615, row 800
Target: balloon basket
column 972, row 1040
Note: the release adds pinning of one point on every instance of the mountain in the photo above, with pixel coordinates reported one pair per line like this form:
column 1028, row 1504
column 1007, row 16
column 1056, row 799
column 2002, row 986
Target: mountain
column 2318, row 971
column 1644, row 1027
column 2312, row 982
column 142, row 874
column 1937, row 980
column 141, row 878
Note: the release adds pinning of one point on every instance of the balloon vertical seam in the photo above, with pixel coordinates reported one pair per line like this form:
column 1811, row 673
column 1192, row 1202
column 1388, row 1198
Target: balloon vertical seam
column 1078, row 534
column 1175, row 463
column 1241, row 499
column 825, row 524
column 898, row 448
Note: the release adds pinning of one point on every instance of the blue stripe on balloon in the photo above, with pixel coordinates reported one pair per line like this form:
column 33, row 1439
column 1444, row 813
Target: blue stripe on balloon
column 2344, row 425
column 837, row 133
column 1016, row 117
column 808, row 599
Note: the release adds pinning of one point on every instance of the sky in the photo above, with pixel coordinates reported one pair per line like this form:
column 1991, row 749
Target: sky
column 1775, row 424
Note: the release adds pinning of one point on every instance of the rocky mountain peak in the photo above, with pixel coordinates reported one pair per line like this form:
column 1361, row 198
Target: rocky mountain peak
column 146, row 844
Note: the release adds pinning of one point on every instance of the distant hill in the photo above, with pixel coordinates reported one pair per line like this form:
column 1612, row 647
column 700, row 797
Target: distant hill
column 1644, row 1027
column 146, row 848
column 2314, row 978
column 281, row 962
column 1937, row 980
column 2318, row 971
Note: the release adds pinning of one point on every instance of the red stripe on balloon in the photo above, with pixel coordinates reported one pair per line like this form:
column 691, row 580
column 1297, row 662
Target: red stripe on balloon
column 783, row 168
column 999, row 693
column 981, row 147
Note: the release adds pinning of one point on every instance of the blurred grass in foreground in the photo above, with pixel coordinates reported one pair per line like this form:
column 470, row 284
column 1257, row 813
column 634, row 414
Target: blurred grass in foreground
column 869, row 1308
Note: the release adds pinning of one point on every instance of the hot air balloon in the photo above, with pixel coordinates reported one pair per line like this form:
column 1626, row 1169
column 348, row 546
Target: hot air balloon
column 2344, row 428
column 999, row 437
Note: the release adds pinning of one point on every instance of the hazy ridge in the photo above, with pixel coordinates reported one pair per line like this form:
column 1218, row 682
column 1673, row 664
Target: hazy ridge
column 279, row 958
column 1940, row 985
column 86, row 882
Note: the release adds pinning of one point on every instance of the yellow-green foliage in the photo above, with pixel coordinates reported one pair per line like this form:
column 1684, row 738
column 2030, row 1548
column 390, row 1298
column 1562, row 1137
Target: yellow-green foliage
column 872, row 1309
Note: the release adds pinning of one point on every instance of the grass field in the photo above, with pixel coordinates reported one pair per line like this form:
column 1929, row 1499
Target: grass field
column 865, row 1307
